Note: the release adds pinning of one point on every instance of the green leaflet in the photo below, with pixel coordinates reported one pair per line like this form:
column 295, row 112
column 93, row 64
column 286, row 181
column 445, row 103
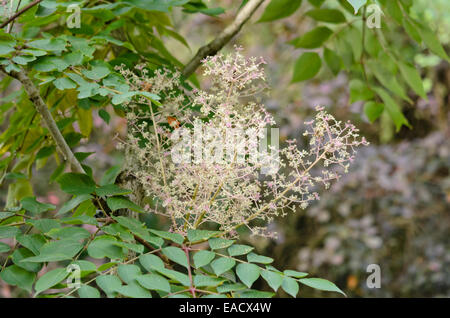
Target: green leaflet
column 248, row 273
column 50, row 279
column 307, row 66
column 278, row 9
column 322, row 284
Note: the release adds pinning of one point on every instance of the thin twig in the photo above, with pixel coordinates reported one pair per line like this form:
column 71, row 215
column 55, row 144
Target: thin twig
column 15, row 16
column 85, row 247
column 363, row 52
column 193, row 203
column 223, row 38
column 11, row 25
column 158, row 146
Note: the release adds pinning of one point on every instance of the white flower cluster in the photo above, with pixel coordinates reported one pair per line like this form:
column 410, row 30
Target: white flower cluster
column 231, row 193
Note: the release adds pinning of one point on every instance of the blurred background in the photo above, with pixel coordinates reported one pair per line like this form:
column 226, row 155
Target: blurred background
column 391, row 209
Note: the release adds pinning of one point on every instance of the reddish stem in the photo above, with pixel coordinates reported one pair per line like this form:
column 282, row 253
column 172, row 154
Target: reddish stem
column 191, row 288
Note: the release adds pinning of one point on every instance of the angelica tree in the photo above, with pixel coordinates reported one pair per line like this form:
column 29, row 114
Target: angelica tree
column 65, row 63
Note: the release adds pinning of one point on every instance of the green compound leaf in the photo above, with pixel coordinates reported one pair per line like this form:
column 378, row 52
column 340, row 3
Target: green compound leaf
column 248, row 273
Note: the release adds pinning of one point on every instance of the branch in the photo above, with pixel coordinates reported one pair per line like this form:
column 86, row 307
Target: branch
column 41, row 107
column 18, row 13
column 223, row 38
